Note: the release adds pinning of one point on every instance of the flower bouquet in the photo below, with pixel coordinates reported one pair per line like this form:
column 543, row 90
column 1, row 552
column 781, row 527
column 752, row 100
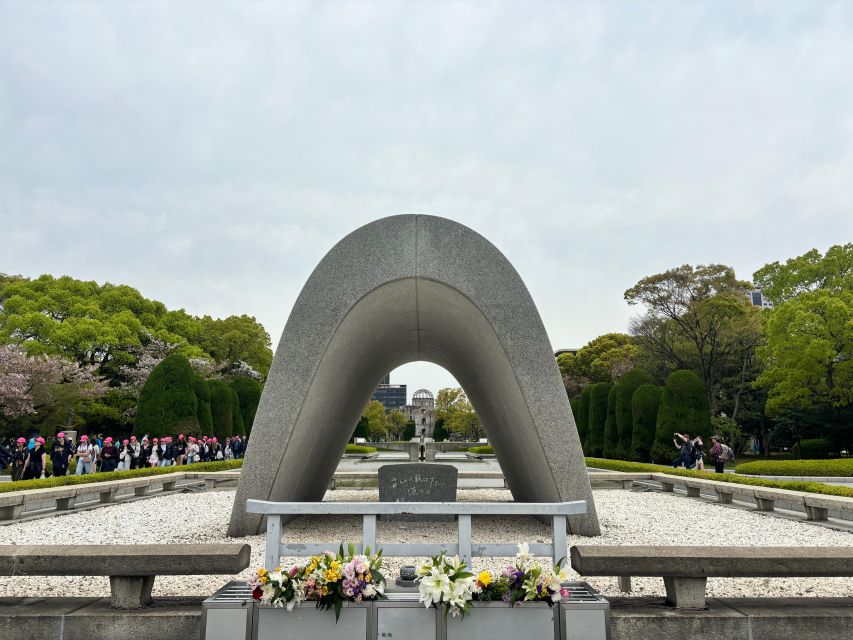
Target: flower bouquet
column 329, row 580
column 446, row 581
column 524, row 581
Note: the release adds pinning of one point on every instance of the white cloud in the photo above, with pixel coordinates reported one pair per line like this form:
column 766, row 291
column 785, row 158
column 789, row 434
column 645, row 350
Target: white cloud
column 210, row 153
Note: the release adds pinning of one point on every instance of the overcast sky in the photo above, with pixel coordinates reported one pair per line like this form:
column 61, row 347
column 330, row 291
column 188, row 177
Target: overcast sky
column 209, row 154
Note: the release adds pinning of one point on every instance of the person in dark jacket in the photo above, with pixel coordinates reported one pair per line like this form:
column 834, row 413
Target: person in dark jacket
column 36, row 462
column 179, row 450
column 61, row 454
column 19, row 458
column 109, row 456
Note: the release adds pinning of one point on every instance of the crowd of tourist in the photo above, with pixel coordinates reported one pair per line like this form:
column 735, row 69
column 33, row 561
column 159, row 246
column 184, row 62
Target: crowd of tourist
column 96, row 453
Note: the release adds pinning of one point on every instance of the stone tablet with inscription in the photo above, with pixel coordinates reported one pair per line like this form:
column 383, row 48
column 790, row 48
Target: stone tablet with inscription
column 418, row 482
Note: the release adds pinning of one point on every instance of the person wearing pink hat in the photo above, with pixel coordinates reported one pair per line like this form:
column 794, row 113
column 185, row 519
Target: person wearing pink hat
column 179, row 449
column 154, row 453
column 124, row 455
column 61, row 454
column 135, row 453
column 36, row 463
column 109, row 456
column 85, row 456
column 19, row 458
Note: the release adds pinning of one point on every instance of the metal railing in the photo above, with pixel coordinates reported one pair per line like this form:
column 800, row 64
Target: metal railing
column 464, row 548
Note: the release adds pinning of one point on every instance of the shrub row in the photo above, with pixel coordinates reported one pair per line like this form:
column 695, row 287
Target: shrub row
column 357, row 448
column 91, row 478
column 486, row 450
column 641, row 467
column 835, row 468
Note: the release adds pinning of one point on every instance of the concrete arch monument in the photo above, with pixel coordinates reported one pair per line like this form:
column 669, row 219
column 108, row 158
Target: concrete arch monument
column 401, row 289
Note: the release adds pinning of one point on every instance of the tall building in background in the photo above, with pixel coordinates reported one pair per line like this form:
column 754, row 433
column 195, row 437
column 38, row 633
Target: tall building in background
column 758, row 299
column 392, row 396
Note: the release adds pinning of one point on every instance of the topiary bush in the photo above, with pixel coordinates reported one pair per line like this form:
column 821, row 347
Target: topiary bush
column 683, row 409
column 167, row 402
column 237, row 417
column 838, row 468
column 625, row 389
column 644, row 416
column 205, row 419
column 362, row 429
column 439, row 433
column 409, row 430
column 221, row 408
column 249, row 393
column 811, row 449
column 611, row 434
column 582, row 416
column 598, row 395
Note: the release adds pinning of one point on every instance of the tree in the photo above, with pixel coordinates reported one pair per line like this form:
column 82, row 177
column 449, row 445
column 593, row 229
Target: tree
column 396, row 422
column 832, row 272
column 410, row 430
column 376, row 418
column 249, row 393
column 611, row 433
column 645, row 404
column 236, row 339
column 448, row 400
column 168, row 402
column 458, row 415
column 809, row 359
column 222, row 408
column 582, row 417
column 625, row 388
column 439, row 433
column 361, row 428
column 237, row 428
column 205, row 417
column 690, row 319
column 598, row 395
column 683, row 409
column 603, row 359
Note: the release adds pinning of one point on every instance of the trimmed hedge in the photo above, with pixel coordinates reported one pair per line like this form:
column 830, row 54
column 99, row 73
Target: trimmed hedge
column 812, row 449
column 222, row 408
column 486, row 450
column 641, row 467
column 92, row 478
column 167, row 401
column 611, row 434
column 598, row 395
column 625, row 389
column 835, row 468
column 644, row 415
column 582, row 416
column 357, row 448
column 249, row 394
column 683, row 409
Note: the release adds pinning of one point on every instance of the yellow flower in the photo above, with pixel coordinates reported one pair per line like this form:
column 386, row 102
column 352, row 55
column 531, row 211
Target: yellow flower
column 368, row 577
column 332, row 576
column 336, row 565
column 485, row 578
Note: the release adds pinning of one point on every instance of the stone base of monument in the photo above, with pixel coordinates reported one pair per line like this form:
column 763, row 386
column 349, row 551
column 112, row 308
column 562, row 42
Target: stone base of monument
column 418, row 482
column 231, row 614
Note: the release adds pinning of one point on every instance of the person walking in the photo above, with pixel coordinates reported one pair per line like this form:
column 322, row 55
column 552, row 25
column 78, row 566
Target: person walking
column 85, row 456
column 716, row 453
column 36, row 462
column 19, row 458
column 685, row 448
column 61, row 454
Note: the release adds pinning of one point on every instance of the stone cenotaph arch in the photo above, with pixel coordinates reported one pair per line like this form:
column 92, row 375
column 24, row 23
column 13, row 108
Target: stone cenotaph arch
column 397, row 290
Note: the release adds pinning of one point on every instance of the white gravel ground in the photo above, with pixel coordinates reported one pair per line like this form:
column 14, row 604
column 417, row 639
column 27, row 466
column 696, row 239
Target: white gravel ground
column 626, row 518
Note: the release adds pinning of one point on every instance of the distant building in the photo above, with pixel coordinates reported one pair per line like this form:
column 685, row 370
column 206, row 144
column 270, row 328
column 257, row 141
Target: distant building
column 758, row 299
column 392, row 396
column 560, row 352
column 421, row 411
